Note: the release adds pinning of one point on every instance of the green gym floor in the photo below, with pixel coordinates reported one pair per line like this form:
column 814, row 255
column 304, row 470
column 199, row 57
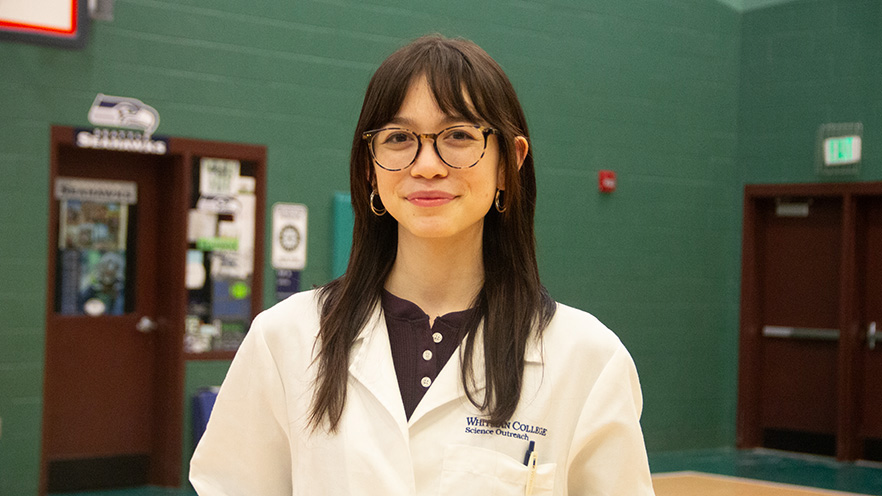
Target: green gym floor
column 761, row 464
column 776, row 466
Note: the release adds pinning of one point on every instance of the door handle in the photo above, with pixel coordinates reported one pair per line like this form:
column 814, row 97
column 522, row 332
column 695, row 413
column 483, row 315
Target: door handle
column 146, row 325
column 872, row 336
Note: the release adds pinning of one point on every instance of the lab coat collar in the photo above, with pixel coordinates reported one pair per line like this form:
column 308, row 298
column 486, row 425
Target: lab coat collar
column 448, row 385
column 371, row 364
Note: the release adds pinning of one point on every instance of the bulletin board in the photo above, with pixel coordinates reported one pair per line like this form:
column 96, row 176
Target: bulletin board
column 221, row 231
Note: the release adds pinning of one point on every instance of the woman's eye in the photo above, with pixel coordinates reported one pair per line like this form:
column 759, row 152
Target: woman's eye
column 398, row 138
column 460, row 135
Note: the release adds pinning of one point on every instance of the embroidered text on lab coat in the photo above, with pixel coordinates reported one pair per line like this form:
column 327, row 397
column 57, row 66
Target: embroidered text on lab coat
column 477, row 425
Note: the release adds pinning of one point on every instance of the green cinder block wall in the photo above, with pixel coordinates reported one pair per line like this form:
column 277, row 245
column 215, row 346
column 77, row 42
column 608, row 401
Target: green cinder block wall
column 643, row 88
column 805, row 64
column 665, row 94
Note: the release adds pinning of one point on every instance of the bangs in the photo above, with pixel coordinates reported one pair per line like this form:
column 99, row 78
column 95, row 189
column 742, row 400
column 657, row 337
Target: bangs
column 452, row 84
column 465, row 82
column 448, row 72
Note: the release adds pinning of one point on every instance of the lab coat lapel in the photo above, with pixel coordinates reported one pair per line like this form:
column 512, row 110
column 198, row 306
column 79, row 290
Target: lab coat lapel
column 371, row 364
column 448, row 385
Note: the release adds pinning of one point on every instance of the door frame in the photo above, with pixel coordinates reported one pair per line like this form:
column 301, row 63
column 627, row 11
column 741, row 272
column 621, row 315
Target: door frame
column 851, row 338
column 170, row 359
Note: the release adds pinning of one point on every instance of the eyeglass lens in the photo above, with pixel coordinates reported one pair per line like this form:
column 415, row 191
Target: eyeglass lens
column 460, row 146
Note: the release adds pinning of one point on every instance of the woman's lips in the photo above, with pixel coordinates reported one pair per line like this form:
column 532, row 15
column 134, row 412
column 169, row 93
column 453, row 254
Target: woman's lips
column 430, row 198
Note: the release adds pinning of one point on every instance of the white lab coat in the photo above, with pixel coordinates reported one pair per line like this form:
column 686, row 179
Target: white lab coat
column 581, row 405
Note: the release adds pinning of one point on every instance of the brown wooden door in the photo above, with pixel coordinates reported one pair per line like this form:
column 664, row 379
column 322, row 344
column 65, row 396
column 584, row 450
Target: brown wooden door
column 813, row 277
column 869, row 303
column 100, row 368
column 113, row 409
column 798, row 256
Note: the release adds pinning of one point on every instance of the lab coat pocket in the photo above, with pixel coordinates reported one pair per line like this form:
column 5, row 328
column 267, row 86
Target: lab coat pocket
column 471, row 470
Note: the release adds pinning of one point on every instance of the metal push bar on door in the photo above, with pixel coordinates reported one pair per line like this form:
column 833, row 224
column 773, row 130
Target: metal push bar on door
column 801, row 333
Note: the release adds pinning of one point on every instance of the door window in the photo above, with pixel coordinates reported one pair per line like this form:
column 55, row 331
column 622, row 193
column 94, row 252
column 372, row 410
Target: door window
column 95, row 254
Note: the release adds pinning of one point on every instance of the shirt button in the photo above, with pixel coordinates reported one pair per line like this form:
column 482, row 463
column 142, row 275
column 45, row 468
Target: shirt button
column 426, row 382
column 437, row 337
column 427, row 355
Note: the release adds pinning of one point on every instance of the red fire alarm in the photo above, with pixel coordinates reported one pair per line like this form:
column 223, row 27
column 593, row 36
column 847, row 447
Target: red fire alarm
column 606, row 180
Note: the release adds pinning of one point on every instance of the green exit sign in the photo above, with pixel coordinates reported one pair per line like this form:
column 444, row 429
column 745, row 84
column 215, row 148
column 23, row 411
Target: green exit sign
column 842, row 150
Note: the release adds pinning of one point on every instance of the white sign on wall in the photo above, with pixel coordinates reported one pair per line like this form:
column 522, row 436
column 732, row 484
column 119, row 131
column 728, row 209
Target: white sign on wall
column 51, row 15
column 88, row 190
column 289, row 236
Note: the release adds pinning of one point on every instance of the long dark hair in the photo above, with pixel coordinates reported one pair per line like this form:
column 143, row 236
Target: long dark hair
column 512, row 303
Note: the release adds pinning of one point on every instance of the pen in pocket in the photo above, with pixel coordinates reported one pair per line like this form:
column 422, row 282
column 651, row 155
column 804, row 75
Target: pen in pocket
column 529, row 452
column 530, row 462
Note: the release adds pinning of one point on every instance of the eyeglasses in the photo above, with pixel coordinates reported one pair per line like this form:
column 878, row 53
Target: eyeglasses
column 460, row 147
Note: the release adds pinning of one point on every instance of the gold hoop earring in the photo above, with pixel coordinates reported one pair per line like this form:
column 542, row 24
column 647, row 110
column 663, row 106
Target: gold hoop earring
column 379, row 212
column 498, row 203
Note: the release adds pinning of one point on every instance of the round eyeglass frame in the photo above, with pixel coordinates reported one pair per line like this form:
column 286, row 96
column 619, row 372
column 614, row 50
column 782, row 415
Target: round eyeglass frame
column 369, row 137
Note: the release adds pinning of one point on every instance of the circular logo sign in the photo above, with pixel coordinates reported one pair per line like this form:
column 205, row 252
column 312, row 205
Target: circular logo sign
column 289, row 237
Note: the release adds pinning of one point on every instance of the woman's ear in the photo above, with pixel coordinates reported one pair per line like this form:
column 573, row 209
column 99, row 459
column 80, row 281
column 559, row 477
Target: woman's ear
column 522, row 147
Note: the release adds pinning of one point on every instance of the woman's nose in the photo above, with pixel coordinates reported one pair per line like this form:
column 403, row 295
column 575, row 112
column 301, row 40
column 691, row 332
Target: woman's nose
column 428, row 163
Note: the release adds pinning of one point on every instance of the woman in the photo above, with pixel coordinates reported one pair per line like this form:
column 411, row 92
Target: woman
column 437, row 364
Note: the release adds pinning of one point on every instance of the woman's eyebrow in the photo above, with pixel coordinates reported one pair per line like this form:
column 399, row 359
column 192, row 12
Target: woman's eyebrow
column 447, row 121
